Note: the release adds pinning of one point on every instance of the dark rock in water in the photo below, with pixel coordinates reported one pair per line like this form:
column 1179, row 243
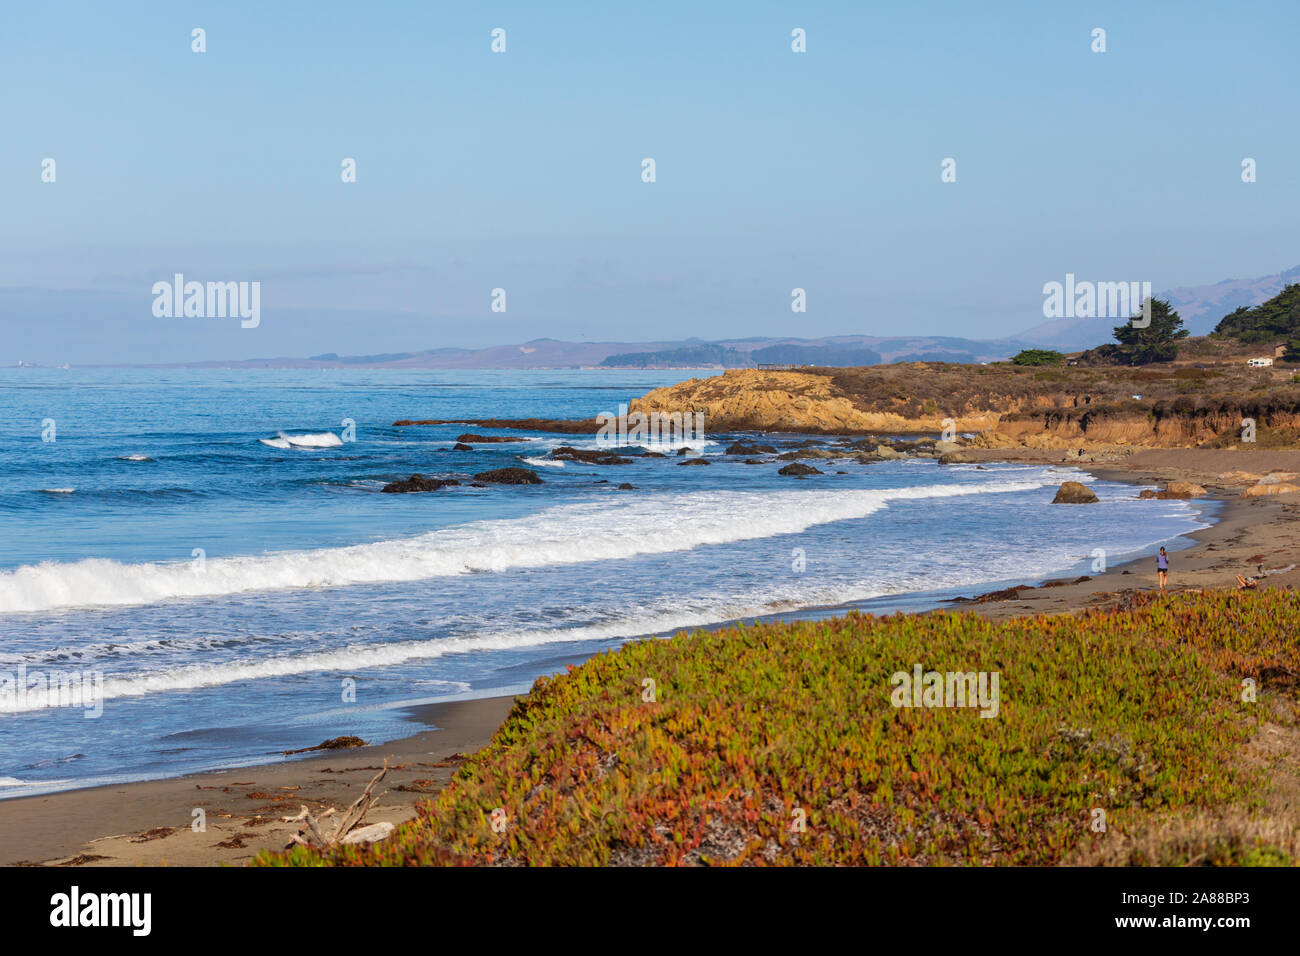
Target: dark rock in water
column 626, row 487
column 811, row 453
column 461, row 446
column 653, row 454
column 603, row 481
column 418, row 483
column 798, row 469
column 1147, row 493
column 1074, row 493
column 741, row 449
column 841, row 472
column 692, row 461
column 477, row 484
column 754, row 461
column 684, row 451
column 509, row 476
column 589, row 426
column 488, row 439
column 597, row 457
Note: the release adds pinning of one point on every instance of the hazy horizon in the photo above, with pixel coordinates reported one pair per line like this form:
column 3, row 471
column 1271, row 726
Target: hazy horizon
column 522, row 170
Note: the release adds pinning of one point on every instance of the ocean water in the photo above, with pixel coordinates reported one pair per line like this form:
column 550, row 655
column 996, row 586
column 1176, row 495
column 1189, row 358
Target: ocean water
column 208, row 552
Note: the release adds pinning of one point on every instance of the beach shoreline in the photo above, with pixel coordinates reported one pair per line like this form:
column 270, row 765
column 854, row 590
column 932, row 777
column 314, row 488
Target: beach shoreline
column 152, row 822
column 244, row 809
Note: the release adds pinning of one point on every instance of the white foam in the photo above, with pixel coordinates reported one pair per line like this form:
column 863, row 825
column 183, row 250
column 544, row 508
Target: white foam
column 319, row 440
column 134, row 458
column 357, row 657
column 662, row 444
column 627, row 623
column 544, row 462
column 566, row 534
column 59, row 491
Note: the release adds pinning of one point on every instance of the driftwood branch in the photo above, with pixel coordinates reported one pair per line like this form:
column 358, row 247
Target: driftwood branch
column 357, row 812
column 346, row 823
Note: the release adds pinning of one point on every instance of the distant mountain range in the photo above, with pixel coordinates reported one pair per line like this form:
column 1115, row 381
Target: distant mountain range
column 690, row 353
column 1200, row 306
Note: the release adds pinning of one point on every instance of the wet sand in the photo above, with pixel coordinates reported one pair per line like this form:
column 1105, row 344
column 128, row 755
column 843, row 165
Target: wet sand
column 1247, row 533
column 150, row 823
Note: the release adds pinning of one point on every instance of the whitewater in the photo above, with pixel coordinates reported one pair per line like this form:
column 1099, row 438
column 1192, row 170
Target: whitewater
column 565, row 534
column 214, row 550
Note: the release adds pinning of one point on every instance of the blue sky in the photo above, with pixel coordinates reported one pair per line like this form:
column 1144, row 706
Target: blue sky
column 521, row 170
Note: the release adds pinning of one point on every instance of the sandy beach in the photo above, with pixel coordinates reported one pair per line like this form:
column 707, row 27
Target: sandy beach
column 150, row 823
column 1247, row 533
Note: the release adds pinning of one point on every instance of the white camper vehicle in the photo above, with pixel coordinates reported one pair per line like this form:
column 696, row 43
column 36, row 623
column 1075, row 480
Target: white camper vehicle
column 1260, row 363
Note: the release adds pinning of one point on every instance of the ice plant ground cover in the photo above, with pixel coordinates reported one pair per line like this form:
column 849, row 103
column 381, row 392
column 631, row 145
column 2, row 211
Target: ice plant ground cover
column 779, row 744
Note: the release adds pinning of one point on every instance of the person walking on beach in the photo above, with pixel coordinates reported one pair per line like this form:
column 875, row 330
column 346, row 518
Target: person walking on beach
column 1162, row 568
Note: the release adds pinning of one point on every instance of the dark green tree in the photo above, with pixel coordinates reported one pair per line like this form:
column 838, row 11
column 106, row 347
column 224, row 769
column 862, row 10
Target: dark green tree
column 1271, row 320
column 1038, row 357
column 1154, row 342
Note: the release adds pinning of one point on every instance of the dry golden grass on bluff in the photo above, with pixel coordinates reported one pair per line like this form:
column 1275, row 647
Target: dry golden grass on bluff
column 1167, row 406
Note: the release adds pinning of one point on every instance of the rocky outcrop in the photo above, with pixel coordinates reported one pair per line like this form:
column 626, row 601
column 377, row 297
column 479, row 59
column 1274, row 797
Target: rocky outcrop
column 1175, row 489
column 824, row 453
column 799, row 470
column 1181, row 489
column 488, row 439
column 1007, row 406
column 1074, row 493
column 1273, row 488
column 693, row 461
column 564, row 426
column 461, row 446
column 589, row 456
column 1238, row 477
column 417, row 483
column 753, row 400
column 742, row 449
column 509, row 476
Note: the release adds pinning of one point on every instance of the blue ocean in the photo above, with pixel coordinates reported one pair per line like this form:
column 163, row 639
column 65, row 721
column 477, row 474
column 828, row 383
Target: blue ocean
column 210, row 550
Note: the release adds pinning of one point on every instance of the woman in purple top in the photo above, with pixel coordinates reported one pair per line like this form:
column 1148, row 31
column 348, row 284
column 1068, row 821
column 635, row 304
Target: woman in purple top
column 1162, row 568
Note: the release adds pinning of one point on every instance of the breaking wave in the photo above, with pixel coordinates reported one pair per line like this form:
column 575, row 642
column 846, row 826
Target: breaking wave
column 565, row 534
column 319, row 440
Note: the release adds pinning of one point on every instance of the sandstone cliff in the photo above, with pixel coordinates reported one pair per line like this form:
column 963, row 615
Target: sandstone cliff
column 1007, row 405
